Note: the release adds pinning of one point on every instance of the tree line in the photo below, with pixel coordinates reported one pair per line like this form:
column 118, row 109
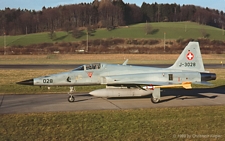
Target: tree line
column 102, row 14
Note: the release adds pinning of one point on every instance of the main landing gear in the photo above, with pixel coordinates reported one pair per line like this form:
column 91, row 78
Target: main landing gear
column 155, row 98
column 71, row 97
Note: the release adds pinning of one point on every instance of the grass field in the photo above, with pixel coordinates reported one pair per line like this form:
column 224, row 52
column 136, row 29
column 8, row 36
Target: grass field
column 172, row 30
column 157, row 124
column 107, row 58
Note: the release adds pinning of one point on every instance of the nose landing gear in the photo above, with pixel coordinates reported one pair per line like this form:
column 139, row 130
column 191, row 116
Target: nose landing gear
column 71, row 97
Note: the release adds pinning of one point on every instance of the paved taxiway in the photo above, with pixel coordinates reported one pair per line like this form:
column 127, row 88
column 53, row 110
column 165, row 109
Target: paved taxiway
column 86, row 102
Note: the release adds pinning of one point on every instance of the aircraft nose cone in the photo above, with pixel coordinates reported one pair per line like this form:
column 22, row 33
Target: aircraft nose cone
column 26, row 82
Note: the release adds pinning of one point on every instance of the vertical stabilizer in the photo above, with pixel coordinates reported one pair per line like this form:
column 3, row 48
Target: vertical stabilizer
column 190, row 59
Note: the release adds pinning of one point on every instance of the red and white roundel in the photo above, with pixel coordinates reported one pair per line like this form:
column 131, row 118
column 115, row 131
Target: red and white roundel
column 190, row 56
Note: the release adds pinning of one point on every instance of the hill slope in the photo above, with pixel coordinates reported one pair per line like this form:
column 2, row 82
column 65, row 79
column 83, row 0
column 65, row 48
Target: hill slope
column 171, row 30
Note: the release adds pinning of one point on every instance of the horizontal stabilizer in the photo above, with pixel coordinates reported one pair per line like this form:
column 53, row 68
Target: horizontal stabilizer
column 203, row 83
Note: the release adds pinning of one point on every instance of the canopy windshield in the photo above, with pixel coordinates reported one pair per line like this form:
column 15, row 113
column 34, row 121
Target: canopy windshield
column 88, row 67
column 93, row 66
column 79, row 68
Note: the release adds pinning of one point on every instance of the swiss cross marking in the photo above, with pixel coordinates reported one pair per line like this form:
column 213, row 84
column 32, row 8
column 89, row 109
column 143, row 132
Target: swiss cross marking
column 190, row 56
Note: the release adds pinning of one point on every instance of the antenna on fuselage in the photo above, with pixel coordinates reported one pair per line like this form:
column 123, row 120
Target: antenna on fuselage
column 125, row 62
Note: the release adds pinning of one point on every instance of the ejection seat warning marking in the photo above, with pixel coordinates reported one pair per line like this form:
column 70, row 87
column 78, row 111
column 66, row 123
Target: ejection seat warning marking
column 78, row 77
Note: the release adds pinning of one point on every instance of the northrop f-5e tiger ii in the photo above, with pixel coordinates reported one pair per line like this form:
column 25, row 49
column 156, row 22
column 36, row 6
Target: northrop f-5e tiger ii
column 133, row 81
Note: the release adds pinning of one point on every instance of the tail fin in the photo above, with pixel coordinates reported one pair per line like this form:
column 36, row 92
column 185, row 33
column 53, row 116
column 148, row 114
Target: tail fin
column 190, row 59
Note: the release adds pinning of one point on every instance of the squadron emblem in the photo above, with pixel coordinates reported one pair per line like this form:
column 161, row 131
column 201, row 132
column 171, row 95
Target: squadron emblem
column 90, row 74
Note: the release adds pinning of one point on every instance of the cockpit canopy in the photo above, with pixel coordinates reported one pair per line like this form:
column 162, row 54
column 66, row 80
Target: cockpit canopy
column 93, row 66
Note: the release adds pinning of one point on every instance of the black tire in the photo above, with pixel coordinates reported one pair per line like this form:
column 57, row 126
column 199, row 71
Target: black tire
column 71, row 98
column 155, row 100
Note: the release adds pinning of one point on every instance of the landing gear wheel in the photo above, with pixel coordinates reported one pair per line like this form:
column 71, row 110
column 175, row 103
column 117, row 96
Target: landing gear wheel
column 155, row 100
column 71, row 98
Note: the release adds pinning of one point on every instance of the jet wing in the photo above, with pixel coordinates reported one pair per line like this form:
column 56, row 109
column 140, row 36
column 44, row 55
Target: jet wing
column 149, row 79
column 155, row 84
column 136, row 79
column 203, row 83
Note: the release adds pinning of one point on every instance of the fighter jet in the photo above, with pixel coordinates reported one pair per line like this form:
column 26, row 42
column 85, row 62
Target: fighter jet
column 130, row 80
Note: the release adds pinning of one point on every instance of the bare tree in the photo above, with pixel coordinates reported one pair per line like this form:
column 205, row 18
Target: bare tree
column 148, row 28
column 77, row 33
column 52, row 34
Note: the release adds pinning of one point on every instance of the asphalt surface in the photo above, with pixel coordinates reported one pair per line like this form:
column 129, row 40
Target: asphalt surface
column 85, row 102
column 72, row 66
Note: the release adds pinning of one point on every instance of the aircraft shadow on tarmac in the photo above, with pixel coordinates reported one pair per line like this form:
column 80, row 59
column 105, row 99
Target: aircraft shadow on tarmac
column 89, row 97
column 83, row 100
column 183, row 94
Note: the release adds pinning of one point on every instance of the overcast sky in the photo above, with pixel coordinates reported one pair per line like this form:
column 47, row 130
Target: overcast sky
column 38, row 4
